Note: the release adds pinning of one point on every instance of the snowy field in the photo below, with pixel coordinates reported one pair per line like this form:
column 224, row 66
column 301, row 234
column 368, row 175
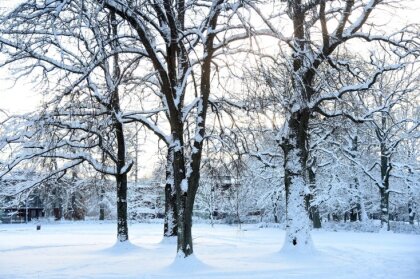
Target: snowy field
column 85, row 250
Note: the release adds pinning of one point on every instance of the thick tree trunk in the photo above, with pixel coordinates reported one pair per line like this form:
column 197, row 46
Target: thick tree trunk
column 295, row 156
column 170, row 225
column 186, row 184
column 186, row 190
column 122, row 227
column 313, row 209
column 122, row 170
column 185, row 204
column 316, row 218
column 184, row 215
column 384, row 209
column 121, row 177
column 184, row 240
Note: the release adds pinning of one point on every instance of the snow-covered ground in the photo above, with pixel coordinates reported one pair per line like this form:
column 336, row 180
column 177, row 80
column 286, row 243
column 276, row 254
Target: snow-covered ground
column 85, row 250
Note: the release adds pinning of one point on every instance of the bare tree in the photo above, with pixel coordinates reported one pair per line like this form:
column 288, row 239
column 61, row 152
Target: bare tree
column 392, row 123
column 321, row 29
column 84, row 112
column 172, row 44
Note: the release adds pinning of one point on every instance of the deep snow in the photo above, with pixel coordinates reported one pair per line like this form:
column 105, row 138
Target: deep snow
column 88, row 250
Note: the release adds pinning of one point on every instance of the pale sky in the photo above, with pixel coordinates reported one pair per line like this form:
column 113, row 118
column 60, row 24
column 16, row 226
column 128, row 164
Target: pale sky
column 23, row 98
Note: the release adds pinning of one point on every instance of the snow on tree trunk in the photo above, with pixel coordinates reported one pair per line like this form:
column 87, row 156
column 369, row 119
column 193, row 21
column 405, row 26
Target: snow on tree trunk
column 316, row 219
column 384, row 209
column 411, row 212
column 385, row 174
column 354, row 147
column 121, row 178
column 313, row 209
column 363, row 214
column 298, row 226
column 122, row 227
column 185, row 245
column 170, row 221
column 184, row 240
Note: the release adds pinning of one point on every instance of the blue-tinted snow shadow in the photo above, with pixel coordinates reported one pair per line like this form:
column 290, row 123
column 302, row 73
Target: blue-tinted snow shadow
column 121, row 248
column 168, row 241
column 190, row 264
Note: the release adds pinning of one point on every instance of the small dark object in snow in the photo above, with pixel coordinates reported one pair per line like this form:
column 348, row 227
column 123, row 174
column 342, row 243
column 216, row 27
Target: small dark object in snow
column 294, row 241
column 38, row 227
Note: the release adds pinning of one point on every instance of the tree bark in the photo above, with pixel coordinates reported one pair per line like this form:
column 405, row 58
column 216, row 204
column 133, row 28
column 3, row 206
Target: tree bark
column 385, row 174
column 384, row 208
column 170, row 225
column 316, row 219
column 122, row 226
column 121, row 176
column 313, row 209
column 295, row 157
column 101, row 205
column 184, row 241
column 276, row 207
column 411, row 212
column 186, row 197
column 362, row 215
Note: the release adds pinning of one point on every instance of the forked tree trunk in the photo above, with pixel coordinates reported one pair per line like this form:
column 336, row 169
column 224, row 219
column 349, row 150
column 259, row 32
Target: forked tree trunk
column 186, row 190
column 184, row 240
column 185, row 197
column 184, row 218
column 295, row 156
column 184, row 210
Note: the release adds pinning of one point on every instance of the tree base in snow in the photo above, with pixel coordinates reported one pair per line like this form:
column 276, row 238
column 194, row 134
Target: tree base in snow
column 300, row 244
column 190, row 263
column 122, row 248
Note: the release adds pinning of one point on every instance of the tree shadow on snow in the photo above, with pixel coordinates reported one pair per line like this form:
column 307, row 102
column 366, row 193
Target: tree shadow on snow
column 191, row 264
column 120, row 248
